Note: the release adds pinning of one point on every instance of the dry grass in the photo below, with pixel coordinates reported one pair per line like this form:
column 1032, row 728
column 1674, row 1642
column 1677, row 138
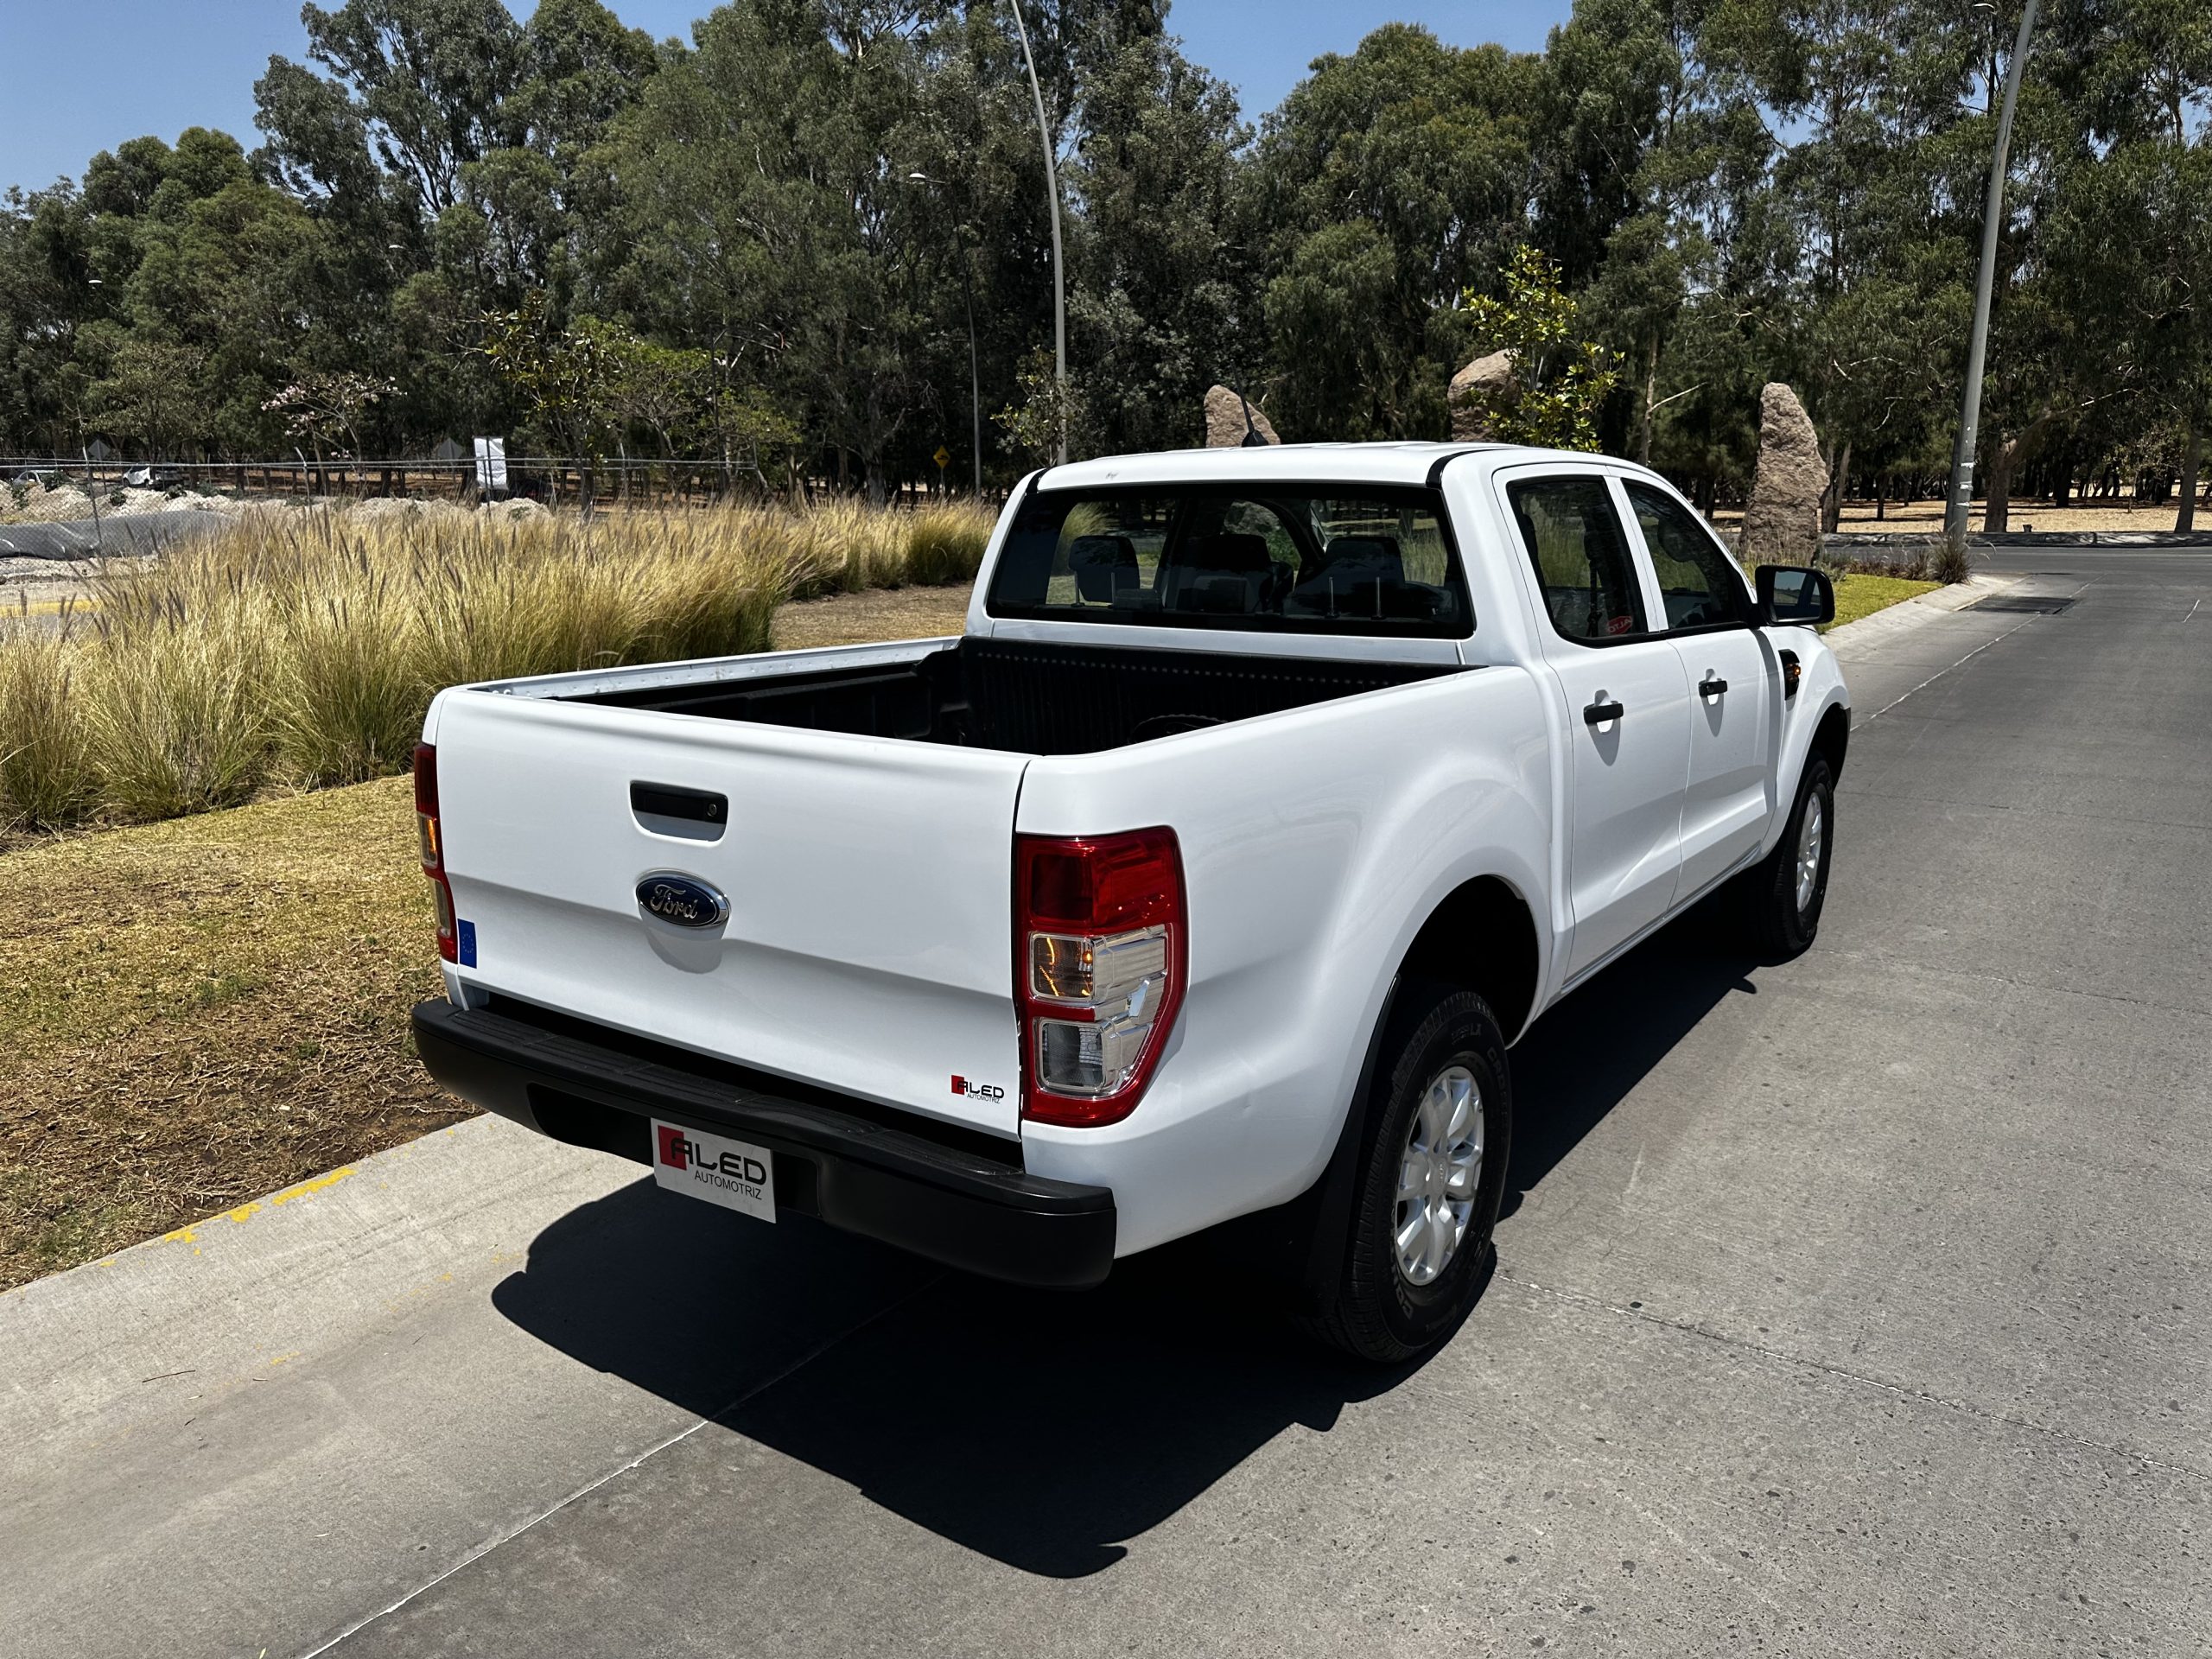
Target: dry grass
column 195, row 1013
column 860, row 619
column 299, row 651
column 1925, row 517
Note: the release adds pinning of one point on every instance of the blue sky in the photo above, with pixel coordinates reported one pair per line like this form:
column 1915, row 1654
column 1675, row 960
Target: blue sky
column 83, row 78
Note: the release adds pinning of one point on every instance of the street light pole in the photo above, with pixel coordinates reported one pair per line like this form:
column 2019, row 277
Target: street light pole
column 1959, row 505
column 1052, row 201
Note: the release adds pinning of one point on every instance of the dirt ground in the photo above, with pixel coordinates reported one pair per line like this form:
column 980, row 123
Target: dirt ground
column 857, row 619
column 1927, row 517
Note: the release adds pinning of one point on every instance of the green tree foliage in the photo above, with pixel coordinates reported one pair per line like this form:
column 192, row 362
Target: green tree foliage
column 566, row 378
column 1561, row 378
column 788, row 237
column 1387, row 183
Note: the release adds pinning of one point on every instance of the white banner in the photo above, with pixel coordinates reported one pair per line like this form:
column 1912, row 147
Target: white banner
column 491, row 466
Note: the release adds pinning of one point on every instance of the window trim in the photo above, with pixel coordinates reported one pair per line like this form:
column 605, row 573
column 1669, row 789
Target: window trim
column 1264, row 492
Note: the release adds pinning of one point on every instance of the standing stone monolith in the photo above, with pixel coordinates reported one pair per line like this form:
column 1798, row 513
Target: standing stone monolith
column 1483, row 386
column 1225, row 427
column 1781, row 520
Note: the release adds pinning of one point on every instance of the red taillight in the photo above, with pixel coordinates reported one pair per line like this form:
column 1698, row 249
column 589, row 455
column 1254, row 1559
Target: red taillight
column 431, row 835
column 1100, row 956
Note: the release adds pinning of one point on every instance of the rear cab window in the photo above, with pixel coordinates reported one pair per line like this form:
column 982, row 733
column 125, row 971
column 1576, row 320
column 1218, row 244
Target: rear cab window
column 1289, row 558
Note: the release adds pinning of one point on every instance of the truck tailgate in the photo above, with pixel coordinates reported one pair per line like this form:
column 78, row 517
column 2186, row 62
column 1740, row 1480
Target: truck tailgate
column 869, row 940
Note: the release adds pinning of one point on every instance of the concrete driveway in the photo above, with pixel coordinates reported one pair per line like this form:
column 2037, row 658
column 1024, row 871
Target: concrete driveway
column 1857, row 1306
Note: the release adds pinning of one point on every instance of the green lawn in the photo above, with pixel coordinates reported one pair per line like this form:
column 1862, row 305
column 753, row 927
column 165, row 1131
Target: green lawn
column 1858, row 597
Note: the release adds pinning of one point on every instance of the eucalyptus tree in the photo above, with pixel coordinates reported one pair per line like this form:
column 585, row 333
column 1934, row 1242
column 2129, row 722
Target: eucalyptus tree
column 1387, row 183
column 1163, row 303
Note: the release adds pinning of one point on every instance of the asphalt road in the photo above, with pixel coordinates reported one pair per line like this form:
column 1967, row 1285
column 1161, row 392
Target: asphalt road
column 1857, row 1306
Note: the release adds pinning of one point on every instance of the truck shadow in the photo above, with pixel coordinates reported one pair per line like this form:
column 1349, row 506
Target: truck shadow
column 1042, row 1430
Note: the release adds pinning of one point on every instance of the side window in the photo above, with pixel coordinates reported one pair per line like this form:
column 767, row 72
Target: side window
column 1699, row 579
column 1575, row 542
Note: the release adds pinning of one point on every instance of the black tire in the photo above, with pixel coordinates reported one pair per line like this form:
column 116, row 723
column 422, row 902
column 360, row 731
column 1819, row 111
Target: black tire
column 1376, row 1311
column 1778, row 925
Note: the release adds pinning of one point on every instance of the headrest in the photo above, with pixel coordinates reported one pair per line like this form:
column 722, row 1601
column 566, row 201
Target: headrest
column 1236, row 553
column 1362, row 558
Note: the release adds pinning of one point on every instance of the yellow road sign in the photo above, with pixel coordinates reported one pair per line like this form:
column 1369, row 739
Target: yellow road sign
column 944, row 457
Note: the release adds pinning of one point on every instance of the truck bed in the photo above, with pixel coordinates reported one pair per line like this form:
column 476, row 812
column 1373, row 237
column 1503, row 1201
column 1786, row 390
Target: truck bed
column 1025, row 698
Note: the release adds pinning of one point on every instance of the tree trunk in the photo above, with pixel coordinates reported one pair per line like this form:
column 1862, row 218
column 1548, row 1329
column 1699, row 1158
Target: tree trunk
column 1996, row 485
column 1839, row 481
column 876, row 482
column 2192, row 456
column 1650, row 395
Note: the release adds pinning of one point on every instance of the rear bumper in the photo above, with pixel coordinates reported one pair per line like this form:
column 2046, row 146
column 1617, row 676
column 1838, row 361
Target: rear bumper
column 862, row 1176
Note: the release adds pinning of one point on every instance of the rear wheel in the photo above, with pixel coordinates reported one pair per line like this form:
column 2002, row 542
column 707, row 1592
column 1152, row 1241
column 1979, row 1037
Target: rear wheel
column 1784, row 895
column 1419, row 1251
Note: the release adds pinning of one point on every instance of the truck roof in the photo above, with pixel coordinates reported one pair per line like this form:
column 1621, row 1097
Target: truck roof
column 1350, row 463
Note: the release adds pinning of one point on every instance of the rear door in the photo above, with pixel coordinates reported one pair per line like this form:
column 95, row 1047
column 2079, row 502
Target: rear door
column 868, row 940
column 1734, row 687
column 1627, row 705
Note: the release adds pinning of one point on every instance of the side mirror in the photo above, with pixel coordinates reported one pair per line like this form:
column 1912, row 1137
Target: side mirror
column 1795, row 596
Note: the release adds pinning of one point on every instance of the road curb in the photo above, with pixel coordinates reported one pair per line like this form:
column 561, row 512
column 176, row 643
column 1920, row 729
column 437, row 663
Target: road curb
column 1909, row 616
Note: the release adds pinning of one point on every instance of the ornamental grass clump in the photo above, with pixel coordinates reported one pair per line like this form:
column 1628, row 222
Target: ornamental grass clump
column 298, row 651
column 945, row 545
column 178, row 714
column 46, row 769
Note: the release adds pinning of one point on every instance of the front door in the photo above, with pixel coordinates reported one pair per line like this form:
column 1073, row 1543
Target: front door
column 1735, row 686
column 1627, row 704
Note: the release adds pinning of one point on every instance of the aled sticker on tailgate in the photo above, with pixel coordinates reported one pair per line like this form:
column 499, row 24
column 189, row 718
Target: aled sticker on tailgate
column 716, row 1168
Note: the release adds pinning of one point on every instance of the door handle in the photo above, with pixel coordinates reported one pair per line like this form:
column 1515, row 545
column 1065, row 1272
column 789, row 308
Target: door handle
column 1711, row 685
column 1598, row 713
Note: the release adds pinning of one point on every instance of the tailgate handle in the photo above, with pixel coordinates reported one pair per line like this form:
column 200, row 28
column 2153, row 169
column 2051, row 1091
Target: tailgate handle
column 671, row 810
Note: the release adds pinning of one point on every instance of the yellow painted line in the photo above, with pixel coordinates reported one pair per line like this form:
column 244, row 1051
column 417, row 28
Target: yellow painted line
column 49, row 608
column 306, row 1189
column 246, row 1212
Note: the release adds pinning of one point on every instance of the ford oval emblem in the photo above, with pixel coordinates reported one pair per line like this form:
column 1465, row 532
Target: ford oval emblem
column 684, row 899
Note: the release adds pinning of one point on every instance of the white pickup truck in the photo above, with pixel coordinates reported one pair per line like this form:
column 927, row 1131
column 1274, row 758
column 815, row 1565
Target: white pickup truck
column 1267, row 798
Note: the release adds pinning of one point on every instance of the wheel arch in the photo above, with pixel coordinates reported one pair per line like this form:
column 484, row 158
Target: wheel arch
column 1831, row 738
column 1505, row 969
column 1505, row 965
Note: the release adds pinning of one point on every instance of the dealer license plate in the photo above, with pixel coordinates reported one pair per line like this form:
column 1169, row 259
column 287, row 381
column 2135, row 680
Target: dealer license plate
column 716, row 1168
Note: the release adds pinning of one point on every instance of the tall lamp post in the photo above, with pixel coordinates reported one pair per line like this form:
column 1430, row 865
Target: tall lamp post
column 968, row 301
column 1052, row 203
column 1959, row 505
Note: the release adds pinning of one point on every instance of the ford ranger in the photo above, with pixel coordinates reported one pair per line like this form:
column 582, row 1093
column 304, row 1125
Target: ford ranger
column 1211, row 873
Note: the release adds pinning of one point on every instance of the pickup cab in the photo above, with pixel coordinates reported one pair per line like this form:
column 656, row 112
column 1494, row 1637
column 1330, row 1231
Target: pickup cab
column 1208, row 877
